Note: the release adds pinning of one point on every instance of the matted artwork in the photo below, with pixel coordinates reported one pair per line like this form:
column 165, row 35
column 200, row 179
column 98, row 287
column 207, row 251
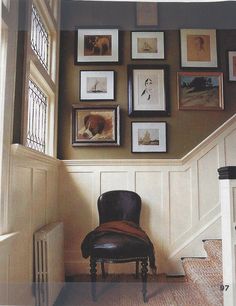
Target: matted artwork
column 148, row 137
column 95, row 125
column 198, row 48
column 200, row 90
column 147, row 45
column 97, row 45
column 232, row 65
column 146, row 14
column 147, row 85
column 97, row 85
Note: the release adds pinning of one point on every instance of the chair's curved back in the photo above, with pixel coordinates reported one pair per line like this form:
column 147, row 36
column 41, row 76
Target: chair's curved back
column 119, row 205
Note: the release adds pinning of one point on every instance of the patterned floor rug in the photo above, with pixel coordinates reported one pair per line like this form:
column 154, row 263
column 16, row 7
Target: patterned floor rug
column 125, row 290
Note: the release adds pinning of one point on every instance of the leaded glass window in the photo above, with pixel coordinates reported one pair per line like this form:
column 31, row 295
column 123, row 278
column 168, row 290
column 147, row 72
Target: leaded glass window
column 39, row 38
column 37, row 118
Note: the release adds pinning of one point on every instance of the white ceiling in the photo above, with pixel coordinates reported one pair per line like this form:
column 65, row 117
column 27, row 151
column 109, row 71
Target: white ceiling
column 160, row 1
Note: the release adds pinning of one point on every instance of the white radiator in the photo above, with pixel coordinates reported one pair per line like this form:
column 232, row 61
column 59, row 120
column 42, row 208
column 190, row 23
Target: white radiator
column 49, row 263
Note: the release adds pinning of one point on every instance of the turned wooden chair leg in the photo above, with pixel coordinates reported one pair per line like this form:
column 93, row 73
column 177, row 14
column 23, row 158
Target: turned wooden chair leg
column 93, row 276
column 103, row 270
column 137, row 269
column 144, row 270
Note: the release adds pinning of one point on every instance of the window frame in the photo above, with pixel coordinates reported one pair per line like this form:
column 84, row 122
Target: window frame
column 9, row 20
column 47, row 80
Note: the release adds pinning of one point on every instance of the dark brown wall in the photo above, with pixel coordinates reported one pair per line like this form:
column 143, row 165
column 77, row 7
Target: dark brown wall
column 186, row 129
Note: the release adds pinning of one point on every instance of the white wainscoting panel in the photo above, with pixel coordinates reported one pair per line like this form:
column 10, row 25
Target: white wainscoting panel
column 4, row 259
column 208, row 181
column 230, row 148
column 114, row 181
column 150, row 186
column 180, row 199
column 33, row 202
column 180, row 204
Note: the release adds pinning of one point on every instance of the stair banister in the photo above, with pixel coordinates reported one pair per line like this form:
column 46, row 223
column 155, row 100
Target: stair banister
column 227, row 177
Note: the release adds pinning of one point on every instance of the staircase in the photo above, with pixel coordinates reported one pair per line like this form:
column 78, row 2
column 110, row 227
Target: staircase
column 206, row 273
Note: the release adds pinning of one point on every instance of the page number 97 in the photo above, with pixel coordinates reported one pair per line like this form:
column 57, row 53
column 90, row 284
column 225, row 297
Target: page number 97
column 224, row 287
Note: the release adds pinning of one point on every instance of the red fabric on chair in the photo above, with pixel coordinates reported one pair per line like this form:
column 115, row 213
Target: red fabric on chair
column 124, row 227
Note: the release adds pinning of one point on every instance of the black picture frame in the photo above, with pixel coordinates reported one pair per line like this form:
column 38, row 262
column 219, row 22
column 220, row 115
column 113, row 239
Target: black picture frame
column 104, row 80
column 95, row 125
column 148, row 34
column 158, row 104
column 149, row 137
column 98, row 55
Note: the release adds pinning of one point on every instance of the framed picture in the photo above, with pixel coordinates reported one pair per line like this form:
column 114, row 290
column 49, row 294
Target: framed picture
column 147, row 90
column 232, row 65
column 200, row 90
column 147, row 45
column 97, row 46
column 198, row 48
column 95, row 125
column 146, row 14
column 97, row 85
column 148, row 137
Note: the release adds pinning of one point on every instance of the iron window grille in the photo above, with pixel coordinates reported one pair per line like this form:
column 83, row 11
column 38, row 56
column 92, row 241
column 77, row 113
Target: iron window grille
column 37, row 118
column 39, row 38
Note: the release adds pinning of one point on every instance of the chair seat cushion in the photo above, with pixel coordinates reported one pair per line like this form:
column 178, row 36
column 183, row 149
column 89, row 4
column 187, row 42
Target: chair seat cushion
column 118, row 246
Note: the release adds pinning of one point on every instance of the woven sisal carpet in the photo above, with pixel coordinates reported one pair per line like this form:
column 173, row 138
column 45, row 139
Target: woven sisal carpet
column 124, row 290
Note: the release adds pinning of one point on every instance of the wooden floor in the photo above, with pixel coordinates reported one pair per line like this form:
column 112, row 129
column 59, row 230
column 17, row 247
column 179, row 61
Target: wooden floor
column 125, row 290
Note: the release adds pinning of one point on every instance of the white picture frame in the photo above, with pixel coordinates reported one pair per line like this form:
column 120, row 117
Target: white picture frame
column 147, row 45
column 149, row 137
column 198, row 48
column 97, row 85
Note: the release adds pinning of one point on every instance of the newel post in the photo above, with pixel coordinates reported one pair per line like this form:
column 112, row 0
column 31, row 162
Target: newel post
column 227, row 177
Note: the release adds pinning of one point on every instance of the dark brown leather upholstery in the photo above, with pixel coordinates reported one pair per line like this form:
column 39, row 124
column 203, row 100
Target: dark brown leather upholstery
column 118, row 247
column 116, row 206
column 119, row 205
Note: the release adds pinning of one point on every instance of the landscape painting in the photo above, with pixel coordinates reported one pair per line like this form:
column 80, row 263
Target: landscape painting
column 200, row 90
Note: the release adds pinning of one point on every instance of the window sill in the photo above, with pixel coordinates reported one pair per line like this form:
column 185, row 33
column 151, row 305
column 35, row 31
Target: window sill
column 22, row 151
column 8, row 240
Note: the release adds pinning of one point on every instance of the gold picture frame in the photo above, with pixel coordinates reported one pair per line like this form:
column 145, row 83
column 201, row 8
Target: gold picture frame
column 200, row 91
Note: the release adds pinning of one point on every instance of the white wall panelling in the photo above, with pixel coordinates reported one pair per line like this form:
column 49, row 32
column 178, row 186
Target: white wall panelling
column 33, row 202
column 180, row 198
column 228, row 208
